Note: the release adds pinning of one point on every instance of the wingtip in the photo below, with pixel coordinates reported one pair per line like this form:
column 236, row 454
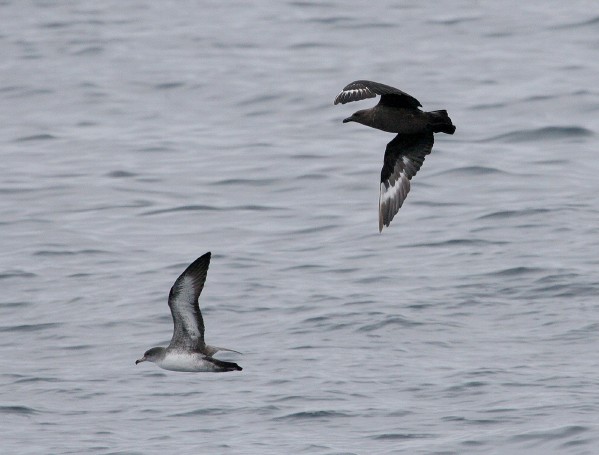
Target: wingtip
column 380, row 212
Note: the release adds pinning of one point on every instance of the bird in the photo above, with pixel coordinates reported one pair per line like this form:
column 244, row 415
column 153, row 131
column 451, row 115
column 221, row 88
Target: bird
column 188, row 350
column 396, row 112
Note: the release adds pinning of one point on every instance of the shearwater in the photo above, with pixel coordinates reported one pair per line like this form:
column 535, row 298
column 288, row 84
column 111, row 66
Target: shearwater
column 396, row 112
column 187, row 350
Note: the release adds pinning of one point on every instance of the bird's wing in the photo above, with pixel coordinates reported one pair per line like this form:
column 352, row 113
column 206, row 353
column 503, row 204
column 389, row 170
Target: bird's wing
column 404, row 156
column 185, row 309
column 390, row 96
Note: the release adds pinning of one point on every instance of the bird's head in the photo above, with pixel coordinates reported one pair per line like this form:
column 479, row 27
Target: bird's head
column 358, row 116
column 151, row 355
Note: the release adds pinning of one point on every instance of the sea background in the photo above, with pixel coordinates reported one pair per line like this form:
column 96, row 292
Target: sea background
column 135, row 136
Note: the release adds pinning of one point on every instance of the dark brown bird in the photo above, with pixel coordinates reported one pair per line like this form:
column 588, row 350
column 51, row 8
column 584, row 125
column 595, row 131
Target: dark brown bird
column 396, row 112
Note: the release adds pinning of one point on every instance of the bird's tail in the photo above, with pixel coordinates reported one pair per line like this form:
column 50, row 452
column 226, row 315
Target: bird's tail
column 223, row 366
column 440, row 122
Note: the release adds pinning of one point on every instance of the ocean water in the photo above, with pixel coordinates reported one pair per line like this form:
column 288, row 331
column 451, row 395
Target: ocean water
column 135, row 136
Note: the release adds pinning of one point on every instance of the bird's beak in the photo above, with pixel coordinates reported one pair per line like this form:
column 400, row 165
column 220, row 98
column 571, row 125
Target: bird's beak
column 348, row 119
column 143, row 359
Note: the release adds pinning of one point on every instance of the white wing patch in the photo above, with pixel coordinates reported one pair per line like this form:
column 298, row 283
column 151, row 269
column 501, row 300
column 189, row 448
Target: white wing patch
column 345, row 96
column 394, row 191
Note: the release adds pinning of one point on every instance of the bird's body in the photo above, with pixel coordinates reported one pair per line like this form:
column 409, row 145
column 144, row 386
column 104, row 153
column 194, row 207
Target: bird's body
column 396, row 112
column 185, row 361
column 180, row 360
column 187, row 350
column 393, row 119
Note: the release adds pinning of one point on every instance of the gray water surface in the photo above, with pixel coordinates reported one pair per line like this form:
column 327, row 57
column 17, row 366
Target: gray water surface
column 135, row 136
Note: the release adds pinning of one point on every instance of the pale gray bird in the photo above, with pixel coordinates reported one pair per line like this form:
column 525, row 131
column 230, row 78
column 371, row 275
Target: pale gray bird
column 187, row 350
column 396, row 112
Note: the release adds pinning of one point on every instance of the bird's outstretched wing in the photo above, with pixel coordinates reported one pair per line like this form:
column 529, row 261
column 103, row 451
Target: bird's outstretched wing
column 390, row 96
column 185, row 309
column 404, row 156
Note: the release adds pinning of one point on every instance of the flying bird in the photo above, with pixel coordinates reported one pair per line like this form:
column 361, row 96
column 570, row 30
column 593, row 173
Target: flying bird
column 187, row 350
column 396, row 112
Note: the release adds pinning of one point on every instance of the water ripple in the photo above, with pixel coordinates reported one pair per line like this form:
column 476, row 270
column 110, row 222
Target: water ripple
column 30, row 328
column 472, row 170
column 549, row 133
column 19, row 410
column 36, row 137
column 402, row 436
column 555, row 433
column 503, row 214
column 313, row 415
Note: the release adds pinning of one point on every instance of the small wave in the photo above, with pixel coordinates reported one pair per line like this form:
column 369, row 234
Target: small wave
column 472, row 170
column 29, row 327
column 309, row 4
column 89, row 50
column 12, row 88
column 120, row 174
column 467, row 386
column 22, row 410
column 556, row 433
column 309, row 415
column 395, row 320
column 534, row 98
column 169, row 85
column 513, row 213
column 17, row 274
column 249, row 182
column 294, row 268
column 35, row 137
column 313, row 176
column 315, row 229
column 485, row 106
column 203, row 412
column 37, row 379
column 205, row 208
column 581, row 333
column 458, row 242
column 464, row 420
column 354, row 25
column 546, row 133
column 56, row 24
column 67, row 252
column 586, row 23
column 306, row 45
column 330, row 20
column 155, row 149
column 183, row 208
column 401, row 436
column 259, row 99
column 515, row 271
column 454, row 20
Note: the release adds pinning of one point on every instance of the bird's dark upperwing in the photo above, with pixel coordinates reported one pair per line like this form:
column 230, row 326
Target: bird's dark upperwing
column 390, row 96
column 185, row 309
column 404, row 156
